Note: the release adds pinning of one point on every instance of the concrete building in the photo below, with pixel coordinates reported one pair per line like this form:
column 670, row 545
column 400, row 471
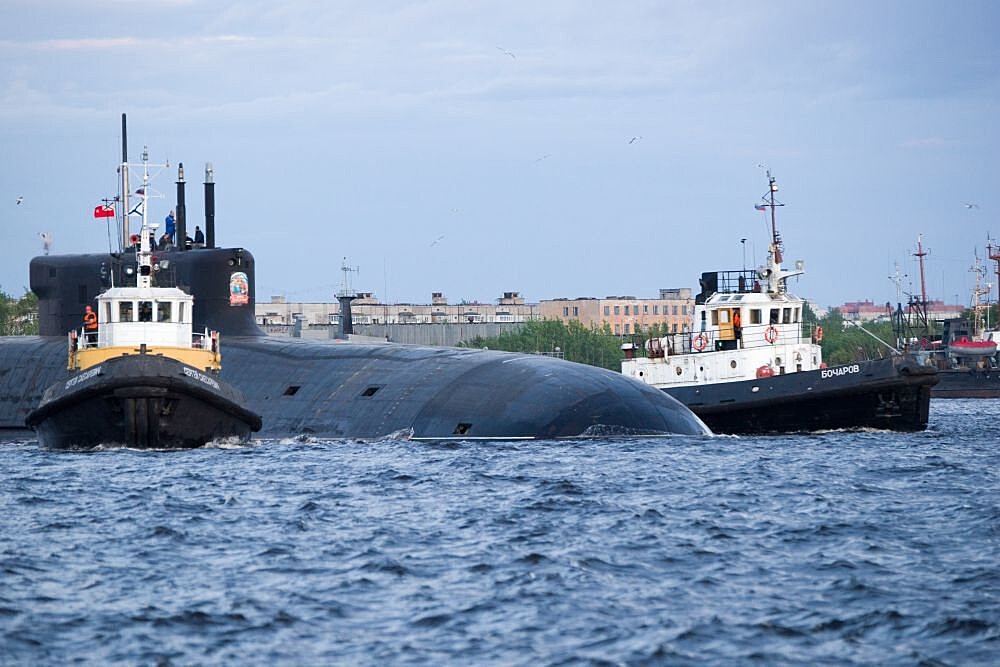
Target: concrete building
column 278, row 315
column 626, row 314
column 867, row 311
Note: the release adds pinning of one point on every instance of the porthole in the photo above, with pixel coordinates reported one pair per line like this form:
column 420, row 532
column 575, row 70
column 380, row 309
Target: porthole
column 679, row 370
column 732, row 364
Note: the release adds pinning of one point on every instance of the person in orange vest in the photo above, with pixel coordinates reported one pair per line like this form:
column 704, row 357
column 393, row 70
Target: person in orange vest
column 90, row 325
column 738, row 326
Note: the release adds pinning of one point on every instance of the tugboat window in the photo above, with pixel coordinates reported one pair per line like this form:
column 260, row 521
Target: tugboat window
column 145, row 311
column 162, row 311
column 124, row 311
column 107, row 311
column 774, row 316
column 755, row 316
column 786, row 316
column 715, row 317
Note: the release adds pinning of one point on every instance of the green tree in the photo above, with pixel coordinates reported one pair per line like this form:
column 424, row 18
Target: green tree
column 571, row 341
column 18, row 317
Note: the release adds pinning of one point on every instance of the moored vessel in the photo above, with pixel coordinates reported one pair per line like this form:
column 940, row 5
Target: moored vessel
column 752, row 364
column 140, row 375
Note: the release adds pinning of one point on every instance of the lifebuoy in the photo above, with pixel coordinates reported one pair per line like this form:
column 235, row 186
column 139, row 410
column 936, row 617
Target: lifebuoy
column 700, row 341
column 819, row 334
column 770, row 334
column 764, row 372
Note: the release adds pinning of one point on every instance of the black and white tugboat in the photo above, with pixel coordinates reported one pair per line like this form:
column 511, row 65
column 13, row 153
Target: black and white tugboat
column 753, row 365
column 143, row 377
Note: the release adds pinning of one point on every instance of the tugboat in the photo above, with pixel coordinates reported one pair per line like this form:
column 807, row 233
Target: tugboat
column 140, row 376
column 754, row 366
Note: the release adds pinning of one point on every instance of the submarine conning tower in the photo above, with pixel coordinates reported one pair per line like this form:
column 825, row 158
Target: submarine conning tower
column 222, row 280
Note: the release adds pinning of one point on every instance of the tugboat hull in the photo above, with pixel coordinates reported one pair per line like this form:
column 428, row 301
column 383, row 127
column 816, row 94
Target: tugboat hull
column 892, row 394
column 141, row 401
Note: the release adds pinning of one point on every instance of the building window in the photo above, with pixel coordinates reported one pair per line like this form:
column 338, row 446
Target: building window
column 645, row 309
column 565, row 311
column 618, row 329
column 673, row 328
column 626, row 328
column 607, row 310
column 576, row 311
column 675, row 310
column 656, row 310
column 626, row 312
column 684, row 309
column 618, row 310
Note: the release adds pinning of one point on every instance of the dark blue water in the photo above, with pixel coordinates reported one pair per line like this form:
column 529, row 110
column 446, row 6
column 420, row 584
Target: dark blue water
column 838, row 548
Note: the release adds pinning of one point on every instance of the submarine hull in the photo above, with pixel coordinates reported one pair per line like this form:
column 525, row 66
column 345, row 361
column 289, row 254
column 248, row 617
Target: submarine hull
column 142, row 401
column 335, row 389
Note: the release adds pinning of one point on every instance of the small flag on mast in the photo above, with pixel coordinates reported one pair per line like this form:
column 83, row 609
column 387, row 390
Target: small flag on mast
column 760, row 207
column 104, row 211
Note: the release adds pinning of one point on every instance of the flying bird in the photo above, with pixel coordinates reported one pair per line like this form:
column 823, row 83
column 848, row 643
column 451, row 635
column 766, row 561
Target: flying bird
column 506, row 52
column 19, row 200
column 437, row 240
column 46, row 241
column 634, row 139
column 547, row 155
column 968, row 205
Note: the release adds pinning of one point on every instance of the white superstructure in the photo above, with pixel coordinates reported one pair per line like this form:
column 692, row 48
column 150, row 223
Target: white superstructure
column 746, row 326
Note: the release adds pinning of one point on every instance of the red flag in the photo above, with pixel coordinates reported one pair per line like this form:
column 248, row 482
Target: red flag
column 104, row 211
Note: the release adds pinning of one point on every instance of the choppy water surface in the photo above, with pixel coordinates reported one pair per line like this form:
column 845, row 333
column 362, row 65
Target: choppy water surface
column 838, row 548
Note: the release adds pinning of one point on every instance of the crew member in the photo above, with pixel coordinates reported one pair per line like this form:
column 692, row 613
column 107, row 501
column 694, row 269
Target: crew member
column 199, row 237
column 90, row 326
column 737, row 324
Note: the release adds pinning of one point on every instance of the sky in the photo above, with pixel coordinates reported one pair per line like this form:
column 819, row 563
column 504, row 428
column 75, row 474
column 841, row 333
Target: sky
column 565, row 148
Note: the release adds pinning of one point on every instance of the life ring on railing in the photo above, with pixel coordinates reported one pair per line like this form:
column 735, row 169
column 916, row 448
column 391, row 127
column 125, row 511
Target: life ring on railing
column 819, row 334
column 700, row 341
column 770, row 334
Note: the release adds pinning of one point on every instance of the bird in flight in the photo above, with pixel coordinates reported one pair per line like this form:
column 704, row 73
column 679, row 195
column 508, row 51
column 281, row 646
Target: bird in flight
column 547, row 155
column 46, row 241
column 19, row 200
column 437, row 240
column 968, row 205
column 506, row 52
column 634, row 139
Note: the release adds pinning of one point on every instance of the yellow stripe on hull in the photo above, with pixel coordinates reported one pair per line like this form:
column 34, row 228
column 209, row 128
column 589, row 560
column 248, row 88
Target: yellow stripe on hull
column 196, row 358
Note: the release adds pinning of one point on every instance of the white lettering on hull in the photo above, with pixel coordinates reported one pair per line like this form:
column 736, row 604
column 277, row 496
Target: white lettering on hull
column 841, row 370
column 83, row 377
column 201, row 377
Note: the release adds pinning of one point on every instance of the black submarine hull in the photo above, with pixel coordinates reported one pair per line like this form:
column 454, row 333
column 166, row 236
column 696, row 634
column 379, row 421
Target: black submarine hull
column 142, row 401
column 340, row 390
column 888, row 394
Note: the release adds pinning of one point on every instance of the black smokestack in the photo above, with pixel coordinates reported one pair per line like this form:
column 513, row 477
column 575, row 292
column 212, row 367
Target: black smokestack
column 180, row 222
column 346, row 326
column 209, row 206
column 124, row 141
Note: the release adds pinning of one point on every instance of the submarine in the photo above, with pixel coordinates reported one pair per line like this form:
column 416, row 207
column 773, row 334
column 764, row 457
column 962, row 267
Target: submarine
column 330, row 389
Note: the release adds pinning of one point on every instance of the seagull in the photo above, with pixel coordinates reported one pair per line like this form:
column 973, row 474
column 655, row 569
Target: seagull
column 19, row 200
column 543, row 157
column 634, row 139
column 506, row 52
column 437, row 240
column 46, row 241
column 969, row 205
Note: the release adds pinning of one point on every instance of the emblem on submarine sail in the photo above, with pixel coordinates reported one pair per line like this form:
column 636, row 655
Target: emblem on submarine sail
column 239, row 289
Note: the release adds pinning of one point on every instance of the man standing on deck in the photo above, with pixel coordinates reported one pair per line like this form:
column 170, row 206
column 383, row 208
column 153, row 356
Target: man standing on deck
column 90, row 326
column 169, row 227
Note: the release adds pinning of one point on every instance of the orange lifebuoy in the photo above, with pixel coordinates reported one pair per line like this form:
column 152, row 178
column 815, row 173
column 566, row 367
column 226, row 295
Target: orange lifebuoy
column 770, row 334
column 700, row 341
column 764, row 372
column 819, row 334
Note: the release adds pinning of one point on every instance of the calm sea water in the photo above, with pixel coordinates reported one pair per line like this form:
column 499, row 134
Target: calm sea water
column 836, row 548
